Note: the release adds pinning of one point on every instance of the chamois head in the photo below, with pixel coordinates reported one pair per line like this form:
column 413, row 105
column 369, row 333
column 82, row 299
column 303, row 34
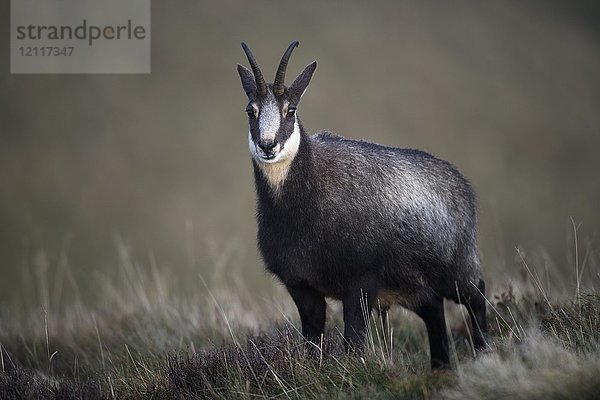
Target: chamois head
column 274, row 130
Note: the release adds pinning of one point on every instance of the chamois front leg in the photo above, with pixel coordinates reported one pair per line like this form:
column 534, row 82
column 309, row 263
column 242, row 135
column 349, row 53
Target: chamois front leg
column 311, row 307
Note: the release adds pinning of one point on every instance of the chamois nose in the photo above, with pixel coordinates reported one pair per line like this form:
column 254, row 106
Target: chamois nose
column 267, row 145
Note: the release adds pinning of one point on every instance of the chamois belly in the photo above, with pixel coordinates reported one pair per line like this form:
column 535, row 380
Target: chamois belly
column 331, row 270
column 329, row 253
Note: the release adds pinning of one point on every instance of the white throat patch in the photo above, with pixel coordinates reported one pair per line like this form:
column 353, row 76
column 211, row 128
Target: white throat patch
column 276, row 170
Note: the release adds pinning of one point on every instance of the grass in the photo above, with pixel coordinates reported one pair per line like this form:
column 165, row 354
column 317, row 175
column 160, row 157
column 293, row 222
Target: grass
column 146, row 341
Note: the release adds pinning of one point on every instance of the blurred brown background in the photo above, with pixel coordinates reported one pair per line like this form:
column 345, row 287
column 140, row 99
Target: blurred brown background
column 508, row 91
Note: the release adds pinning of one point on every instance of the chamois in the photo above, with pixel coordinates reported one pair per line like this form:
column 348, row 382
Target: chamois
column 360, row 222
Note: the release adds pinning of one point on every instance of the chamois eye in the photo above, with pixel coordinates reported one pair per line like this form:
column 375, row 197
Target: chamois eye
column 250, row 112
column 291, row 111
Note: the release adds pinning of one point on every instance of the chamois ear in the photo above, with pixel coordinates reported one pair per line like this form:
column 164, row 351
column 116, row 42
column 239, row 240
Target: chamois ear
column 298, row 88
column 248, row 82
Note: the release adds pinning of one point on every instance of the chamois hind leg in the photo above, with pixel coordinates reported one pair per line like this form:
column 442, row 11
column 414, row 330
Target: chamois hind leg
column 473, row 297
column 477, row 310
column 432, row 313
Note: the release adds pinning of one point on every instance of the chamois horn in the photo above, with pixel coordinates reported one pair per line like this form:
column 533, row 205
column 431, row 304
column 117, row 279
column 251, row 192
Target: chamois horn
column 280, row 76
column 261, row 86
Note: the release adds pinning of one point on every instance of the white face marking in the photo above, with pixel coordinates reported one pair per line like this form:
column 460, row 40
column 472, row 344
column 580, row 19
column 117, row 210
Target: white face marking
column 253, row 148
column 284, row 110
column 277, row 168
column 269, row 120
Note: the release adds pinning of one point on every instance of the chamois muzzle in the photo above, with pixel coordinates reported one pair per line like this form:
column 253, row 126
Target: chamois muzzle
column 267, row 147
